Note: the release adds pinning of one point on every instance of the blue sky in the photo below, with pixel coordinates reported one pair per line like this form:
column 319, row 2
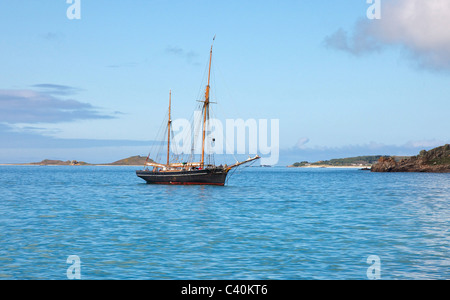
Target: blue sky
column 96, row 89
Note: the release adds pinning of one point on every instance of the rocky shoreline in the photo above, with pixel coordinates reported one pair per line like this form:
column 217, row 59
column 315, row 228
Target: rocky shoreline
column 436, row 160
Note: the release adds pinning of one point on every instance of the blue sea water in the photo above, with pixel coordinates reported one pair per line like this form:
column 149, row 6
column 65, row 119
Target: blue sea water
column 267, row 223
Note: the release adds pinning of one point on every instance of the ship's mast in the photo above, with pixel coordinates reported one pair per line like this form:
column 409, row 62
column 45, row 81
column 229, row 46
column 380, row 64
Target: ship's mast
column 169, row 122
column 206, row 107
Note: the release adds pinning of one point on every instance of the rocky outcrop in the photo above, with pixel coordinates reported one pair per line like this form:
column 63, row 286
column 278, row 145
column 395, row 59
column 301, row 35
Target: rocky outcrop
column 436, row 160
column 384, row 164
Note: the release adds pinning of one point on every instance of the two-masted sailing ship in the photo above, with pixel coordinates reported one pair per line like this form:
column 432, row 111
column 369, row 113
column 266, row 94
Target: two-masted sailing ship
column 189, row 172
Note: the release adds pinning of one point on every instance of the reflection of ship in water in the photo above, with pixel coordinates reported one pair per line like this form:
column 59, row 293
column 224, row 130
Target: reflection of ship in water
column 189, row 172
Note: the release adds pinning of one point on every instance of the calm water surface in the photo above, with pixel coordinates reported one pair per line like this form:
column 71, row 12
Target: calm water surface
column 268, row 223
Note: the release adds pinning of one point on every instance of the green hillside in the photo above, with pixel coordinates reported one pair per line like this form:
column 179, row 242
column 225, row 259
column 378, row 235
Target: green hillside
column 342, row 162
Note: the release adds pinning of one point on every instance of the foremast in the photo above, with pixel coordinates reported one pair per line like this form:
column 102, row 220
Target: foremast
column 169, row 123
column 206, row 107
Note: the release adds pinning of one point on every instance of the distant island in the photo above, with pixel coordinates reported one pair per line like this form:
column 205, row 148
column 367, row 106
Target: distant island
column 54, row 162
column 436, row 160
column 359, row 161
column 130, row 161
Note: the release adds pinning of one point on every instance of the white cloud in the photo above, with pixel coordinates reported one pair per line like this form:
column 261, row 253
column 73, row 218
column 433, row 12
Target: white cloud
column 302, row 142
column 425, row 144
column 29, row 106
column 422, row 27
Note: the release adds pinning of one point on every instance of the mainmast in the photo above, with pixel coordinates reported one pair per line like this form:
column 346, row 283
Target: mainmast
column 206, row 107
column 169, row 122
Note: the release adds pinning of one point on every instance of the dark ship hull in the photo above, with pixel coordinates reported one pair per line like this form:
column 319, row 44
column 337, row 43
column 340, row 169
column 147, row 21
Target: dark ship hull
column 216, row 176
